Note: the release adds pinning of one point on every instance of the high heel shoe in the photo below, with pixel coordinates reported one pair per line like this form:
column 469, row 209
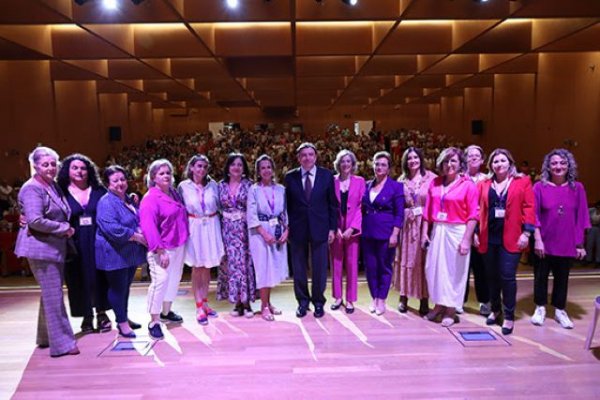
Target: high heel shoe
column 507, row 327
column 134, row 325
column 128, row 335
column 336, row 306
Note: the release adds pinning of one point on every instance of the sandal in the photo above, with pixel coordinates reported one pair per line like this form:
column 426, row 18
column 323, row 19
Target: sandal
column 274, row 310
column 267, row 315
column 209, row 311
column 201, row 317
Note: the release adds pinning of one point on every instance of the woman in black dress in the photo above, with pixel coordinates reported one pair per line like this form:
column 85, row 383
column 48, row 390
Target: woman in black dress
column 78, row 178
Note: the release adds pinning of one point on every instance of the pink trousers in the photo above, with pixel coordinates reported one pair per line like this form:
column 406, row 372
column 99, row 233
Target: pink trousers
column 344, row 256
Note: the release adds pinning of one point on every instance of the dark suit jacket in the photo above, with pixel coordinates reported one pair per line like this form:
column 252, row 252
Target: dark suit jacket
column 385, row 212
column 311, row 220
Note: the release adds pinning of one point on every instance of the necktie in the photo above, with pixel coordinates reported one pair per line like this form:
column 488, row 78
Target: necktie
column 307, row 186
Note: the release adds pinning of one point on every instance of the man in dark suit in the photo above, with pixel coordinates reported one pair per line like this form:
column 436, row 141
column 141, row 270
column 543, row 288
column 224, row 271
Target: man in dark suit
column 312, row 211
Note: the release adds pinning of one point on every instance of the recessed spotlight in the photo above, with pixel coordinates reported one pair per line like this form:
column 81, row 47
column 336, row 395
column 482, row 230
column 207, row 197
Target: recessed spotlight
column 110, row 4
column 350, row 2
column 232, row 3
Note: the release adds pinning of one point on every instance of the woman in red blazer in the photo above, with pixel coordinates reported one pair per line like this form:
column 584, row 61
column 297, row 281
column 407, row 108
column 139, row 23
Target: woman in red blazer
column 506, row 221
column 349, row 190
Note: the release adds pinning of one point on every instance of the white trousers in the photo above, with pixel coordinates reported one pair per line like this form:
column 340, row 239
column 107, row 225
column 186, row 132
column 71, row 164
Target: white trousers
column 165, row 281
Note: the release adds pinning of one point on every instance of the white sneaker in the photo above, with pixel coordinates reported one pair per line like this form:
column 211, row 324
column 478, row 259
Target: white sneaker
column 539, row 316
column 563, row 319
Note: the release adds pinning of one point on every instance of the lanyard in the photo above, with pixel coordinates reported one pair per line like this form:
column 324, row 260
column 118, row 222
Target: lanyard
column 445, row 190
column 272, row 202
column 502, row 195
column 202, row 202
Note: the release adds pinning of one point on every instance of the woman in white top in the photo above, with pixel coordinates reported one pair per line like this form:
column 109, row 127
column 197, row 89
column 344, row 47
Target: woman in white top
column 268, row 231
column 204, row 248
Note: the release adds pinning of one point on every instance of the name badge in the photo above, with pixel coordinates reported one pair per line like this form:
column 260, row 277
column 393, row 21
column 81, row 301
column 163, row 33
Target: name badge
column 85, row 221
column 442, row 216
column 236, row 216
column 273, row 222
column 417, row 211
column 499, row 212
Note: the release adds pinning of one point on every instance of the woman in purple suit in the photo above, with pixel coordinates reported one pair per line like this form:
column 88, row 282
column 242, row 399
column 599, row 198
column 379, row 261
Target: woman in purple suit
column 349, row 190
column 383, row 214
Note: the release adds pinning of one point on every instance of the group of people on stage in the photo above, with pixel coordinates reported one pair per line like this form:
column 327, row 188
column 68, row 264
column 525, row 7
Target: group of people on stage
column 422, row 233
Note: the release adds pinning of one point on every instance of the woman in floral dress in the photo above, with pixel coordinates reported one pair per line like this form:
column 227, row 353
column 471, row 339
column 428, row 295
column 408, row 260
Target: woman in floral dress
column 236, row 281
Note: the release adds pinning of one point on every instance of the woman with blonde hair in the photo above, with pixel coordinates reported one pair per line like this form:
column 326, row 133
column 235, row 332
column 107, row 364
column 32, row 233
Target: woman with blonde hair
column 163, row 220
column 506, row 221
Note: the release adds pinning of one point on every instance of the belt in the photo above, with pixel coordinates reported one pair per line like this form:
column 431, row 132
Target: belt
column 266, row 218
column 201, row 216
column 234, row 215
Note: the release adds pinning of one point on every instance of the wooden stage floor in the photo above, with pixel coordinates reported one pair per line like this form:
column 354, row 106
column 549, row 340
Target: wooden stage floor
column 337, row 357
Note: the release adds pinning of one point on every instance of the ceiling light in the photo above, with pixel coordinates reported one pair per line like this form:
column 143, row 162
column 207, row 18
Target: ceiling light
column 350, row 2
column 110, row 4
column 232, row 3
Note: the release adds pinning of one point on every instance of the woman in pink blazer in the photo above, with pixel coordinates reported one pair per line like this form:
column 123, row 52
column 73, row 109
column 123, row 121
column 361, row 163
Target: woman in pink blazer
column 349, row 190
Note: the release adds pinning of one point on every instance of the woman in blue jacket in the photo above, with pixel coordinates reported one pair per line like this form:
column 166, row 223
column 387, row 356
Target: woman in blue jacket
column 120, row 245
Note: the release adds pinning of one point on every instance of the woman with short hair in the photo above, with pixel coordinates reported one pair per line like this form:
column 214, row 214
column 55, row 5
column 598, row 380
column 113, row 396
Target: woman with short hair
column 383, row 212
column 120, row 244
column 42, row 239
column 349, row 189
column 163, row 219
column 451, row 212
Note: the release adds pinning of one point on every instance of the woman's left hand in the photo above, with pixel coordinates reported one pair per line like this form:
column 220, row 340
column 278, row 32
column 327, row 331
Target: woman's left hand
column 581, row 253
column 393, row 241
column 347, row 234
column 464, row 247
column 283, row 237
column 523, row 241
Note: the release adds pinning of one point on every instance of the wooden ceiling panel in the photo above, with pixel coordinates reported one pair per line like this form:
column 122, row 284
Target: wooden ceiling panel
column 419, row 37
column 585, row 40
column 248, row 10
column 396, row 65
column 167, row 40
column 131, row 69
column 321, row 83
column 270, row 84
column 72, row 42
column 252, row 39
column 13, row 51
column 456, row 64
column 343, row 38
column 260, row 66
column 61, row 71
column 197, row 67
column 512, row 36
column 310, row 10
column 280, row 54
column 326, row 66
